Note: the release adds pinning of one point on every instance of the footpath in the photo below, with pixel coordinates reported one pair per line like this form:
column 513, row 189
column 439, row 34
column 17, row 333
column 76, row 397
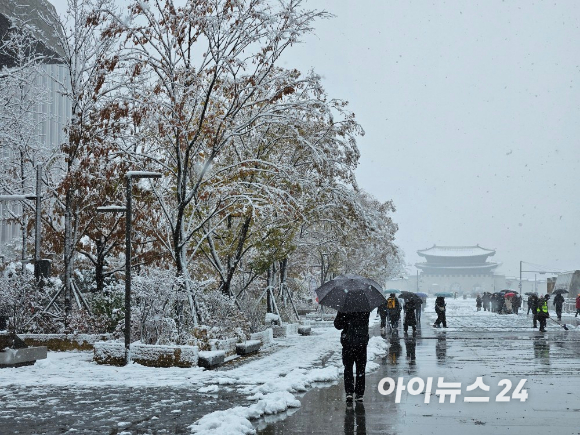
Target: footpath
column 476, row 345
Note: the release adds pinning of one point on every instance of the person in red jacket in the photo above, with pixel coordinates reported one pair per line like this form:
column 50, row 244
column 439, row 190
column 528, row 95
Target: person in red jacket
column 577, row 305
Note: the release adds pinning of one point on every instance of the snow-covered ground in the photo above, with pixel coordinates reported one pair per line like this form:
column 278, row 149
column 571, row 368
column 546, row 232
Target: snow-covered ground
column 294, row 366
column 462, row 315
column 271, row 382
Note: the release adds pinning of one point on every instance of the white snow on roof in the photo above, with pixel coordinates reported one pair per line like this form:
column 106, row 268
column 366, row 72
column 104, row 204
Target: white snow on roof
column 467, row 266
column 455, row 251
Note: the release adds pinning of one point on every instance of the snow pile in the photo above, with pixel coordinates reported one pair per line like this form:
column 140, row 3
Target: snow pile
column 273, row 386
column 228, row 345
column 209, row 389
column 266, row 337
column 272, row 318
column 237, row 420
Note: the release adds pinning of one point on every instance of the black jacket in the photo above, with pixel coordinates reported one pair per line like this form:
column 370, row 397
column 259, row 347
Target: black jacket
column 355, row 328
column 558, row 300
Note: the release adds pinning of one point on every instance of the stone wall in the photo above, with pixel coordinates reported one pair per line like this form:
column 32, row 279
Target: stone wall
column 64, row 342
column 113, row 353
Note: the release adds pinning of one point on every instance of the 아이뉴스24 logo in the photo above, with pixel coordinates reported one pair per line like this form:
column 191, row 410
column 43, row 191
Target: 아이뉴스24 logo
column 444, row 389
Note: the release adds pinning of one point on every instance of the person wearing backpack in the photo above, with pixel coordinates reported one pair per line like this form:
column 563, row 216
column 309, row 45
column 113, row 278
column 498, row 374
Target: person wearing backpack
column 354, row 339
column 394, row 311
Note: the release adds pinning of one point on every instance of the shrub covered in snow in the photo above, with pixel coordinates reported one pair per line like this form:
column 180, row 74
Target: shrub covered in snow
column 23, row 301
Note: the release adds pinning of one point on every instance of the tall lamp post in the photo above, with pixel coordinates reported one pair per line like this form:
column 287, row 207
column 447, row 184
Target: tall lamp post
column 129, row 176
column 541, row 272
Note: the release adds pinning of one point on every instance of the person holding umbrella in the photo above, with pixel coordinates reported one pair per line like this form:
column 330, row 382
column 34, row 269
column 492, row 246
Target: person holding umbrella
column 382, row 311
column 577, row 305
column 394, row 312
column 516, row 303
column 354, row 297
column 419, row 304
column 410, row 319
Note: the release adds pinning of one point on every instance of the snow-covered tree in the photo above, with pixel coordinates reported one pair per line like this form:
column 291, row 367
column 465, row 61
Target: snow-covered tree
column 208, row 63
column 21, row 146
column 87, row 161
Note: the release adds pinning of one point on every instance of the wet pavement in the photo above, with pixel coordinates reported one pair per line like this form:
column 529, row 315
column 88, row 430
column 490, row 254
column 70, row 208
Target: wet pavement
column 107, row 410
column 549, row 361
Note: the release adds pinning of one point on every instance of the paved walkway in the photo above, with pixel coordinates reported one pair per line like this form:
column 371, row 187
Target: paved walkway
column 550, row 362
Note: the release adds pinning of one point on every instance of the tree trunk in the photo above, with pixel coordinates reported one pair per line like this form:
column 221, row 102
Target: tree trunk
column 283, row 276
column 100, row 266
column 269, row 292
column 67, row 255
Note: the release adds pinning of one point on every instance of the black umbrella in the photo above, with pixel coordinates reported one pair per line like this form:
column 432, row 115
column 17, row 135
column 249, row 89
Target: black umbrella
column 559, row 291
column 408, row 295
column 531, row 293
column 350, row 294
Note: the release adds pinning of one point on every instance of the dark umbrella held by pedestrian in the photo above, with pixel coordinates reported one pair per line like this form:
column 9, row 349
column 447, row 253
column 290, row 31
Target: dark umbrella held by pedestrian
column 354, row 297
column 351, row 294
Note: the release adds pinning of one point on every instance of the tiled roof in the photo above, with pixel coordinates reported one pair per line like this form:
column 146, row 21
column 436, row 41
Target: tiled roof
column 455, row 251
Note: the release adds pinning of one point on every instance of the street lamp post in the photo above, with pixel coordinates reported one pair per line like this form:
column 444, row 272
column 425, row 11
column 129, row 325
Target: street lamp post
column 129, row 176
column 541, row 272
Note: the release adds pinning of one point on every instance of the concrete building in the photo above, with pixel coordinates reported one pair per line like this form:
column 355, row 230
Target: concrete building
column 47, row 115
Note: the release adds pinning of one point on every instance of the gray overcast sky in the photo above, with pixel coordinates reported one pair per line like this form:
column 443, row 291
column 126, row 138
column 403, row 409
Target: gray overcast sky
column 472, row 118
column 471, row 113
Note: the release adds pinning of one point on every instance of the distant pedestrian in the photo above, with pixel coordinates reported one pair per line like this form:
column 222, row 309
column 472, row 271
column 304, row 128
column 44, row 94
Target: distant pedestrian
column 558, row 302
column 507, row 305
column 478, row 302
column 440, row 310
column 577, row 305
column 419, row 305
column 382, row 311
column 354, row 339
column 533, row 304
column 542, row 311
column 494, row 303
column 394, row 312
column 485, row 300
column 410, row 319
column 516, row 303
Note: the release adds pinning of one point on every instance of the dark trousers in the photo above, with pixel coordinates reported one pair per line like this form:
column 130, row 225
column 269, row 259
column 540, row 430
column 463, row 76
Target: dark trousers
column 418, row 316
column 577, row 312
column 383, row 321
column 409, row 321
column 351, row 356
column 543, row 321
column 535, row 320
column 441, row 319
column 559, row 312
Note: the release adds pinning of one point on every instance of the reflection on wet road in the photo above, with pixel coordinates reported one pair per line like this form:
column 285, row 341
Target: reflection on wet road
column 549, row 362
